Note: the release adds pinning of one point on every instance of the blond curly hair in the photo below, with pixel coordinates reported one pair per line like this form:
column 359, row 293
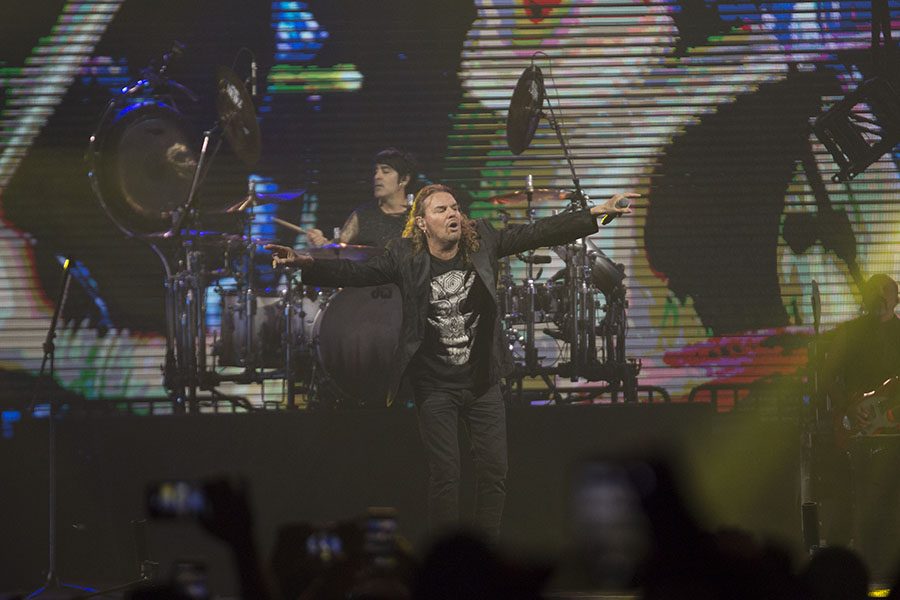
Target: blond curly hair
column 468, row 242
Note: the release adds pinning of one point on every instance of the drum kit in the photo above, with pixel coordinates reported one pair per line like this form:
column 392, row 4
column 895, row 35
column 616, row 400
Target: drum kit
column 581, row 306
column 146, row 166
column 330, row 347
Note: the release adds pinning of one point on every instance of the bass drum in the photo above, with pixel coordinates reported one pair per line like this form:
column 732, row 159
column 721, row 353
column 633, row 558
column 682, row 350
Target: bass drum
column 257, row 340
column 356, row 336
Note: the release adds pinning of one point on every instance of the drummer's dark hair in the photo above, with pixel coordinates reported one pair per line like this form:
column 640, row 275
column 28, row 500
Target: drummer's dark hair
column 468, row 241
column 402, row 162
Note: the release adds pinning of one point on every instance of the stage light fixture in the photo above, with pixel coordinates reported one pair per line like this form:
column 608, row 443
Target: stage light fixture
column 862, row 127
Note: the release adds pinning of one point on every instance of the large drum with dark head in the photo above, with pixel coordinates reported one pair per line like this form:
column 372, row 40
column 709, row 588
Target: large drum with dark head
column 254, row 329
column 142, row 160
column 356, row 338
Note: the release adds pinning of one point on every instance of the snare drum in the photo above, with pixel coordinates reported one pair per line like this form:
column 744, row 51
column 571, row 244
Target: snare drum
column 253, row 328
column 355, row 338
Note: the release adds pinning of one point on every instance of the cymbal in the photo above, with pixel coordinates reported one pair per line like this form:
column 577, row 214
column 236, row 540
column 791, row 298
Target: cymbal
column 538, row 195
column 525, row 109
column 263, row 198
column 238, row 116
column 212, row 239
column 346, row 251
column 205, row 238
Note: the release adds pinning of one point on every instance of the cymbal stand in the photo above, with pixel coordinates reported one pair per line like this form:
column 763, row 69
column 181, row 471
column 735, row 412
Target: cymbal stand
column 248, row 302
column 578, row 303
column 182, row 213
column 290, row 374
column 531, row 358
column 507, row 288
column 578, row 201
column 189, row 326
column 185, row 285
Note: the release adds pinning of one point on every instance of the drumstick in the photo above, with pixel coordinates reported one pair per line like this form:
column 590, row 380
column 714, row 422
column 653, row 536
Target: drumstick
column 289, row 225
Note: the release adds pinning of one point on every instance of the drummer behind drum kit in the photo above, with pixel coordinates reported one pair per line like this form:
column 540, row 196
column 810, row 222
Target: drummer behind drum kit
column 330, row 346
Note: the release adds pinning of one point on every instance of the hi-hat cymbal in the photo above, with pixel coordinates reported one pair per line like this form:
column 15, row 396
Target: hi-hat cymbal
column 263, row 198
column 520, row 197
column 238, row 116
column 346, row 251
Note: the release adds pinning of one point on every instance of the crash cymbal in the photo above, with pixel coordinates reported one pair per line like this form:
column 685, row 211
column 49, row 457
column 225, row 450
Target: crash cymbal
column 263, row 198
column 237, row 116
column 525, row 109
column 346, row 251
column 520, row 197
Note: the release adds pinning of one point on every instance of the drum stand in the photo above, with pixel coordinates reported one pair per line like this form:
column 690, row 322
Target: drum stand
column 186, row 301
column 579, row 326
column 248, row 311
column 187, row 297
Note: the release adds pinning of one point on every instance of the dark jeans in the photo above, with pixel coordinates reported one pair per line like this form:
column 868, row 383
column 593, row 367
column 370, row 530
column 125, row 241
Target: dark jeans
column 440, row 413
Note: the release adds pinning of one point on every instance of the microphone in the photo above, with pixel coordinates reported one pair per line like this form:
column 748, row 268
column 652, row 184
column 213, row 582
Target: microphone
column 253, row 77
column 608, row 217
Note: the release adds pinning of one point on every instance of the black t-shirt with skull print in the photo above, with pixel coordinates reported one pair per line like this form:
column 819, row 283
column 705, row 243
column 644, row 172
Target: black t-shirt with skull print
column 455, row 345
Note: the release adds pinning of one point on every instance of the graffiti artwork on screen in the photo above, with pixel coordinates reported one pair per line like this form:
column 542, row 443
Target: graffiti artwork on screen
column 696, row 105
column 704, row 106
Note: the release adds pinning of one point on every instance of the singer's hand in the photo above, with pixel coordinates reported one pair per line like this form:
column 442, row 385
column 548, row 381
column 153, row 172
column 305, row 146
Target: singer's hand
column 282, row 256
column 620, row 204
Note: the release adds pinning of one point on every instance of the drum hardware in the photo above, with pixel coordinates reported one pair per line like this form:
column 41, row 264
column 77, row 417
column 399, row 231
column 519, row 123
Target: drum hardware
column 145, row 169
column 572, row 300
column 526, row 108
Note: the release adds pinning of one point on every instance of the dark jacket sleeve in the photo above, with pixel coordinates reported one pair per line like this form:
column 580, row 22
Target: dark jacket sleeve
column 378, row 270
column 550, row 231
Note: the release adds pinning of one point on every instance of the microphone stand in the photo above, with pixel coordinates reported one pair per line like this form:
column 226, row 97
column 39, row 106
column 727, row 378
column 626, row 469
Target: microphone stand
column 809, row 507
column 530, row 346
column 52, row 582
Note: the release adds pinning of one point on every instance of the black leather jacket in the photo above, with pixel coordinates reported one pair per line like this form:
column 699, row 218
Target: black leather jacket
column 411, row 272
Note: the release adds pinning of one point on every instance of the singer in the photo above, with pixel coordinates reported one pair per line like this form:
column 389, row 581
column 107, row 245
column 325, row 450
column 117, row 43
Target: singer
column 451, row 345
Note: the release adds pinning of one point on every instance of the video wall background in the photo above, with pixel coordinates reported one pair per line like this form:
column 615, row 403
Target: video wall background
column 702, row 107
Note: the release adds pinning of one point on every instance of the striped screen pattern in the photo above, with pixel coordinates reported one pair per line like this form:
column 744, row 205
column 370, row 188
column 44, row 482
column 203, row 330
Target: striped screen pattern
column 705, row 109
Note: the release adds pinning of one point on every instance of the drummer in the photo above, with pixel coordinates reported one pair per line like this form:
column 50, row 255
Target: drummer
column 377, row 223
